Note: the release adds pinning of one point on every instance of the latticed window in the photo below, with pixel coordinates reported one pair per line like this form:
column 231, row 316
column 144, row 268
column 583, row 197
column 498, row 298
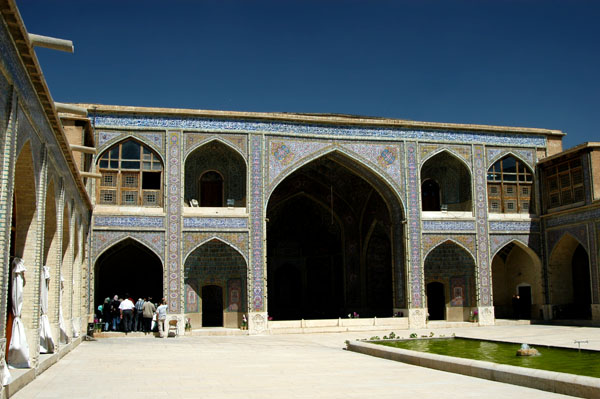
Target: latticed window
column 131, row 175
column 509, row 186
column 564, row 184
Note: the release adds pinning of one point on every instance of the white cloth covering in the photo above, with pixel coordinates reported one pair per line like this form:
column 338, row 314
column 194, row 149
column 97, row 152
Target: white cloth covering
column 76, row 326
column 46, row 341
column 64, row 338
column 18, row 350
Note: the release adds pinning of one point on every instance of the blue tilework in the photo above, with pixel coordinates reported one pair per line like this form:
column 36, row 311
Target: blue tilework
column 257, row 221
column 315, row 129
column 128, row 221
column 448, row 225
column 216, row 223
column 515, row 226
column 414, row 227
column 483, row 260
column 573, row 217
column 174, row 220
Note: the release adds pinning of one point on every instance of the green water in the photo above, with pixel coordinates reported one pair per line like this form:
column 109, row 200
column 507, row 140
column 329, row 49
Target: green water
column 553, row 359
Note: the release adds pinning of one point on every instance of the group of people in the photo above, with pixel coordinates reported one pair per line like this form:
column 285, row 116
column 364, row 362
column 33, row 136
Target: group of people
column 122, row 314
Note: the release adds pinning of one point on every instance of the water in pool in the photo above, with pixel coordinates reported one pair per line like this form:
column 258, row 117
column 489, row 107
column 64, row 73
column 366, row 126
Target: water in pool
column 553, row 359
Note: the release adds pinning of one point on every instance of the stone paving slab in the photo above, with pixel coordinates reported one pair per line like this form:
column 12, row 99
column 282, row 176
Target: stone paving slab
column 281, row 366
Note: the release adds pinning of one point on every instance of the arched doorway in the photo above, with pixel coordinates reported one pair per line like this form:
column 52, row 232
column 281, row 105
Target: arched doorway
column 430, row 195
column 453, row 179
column 215, row 276
column 333, row 234
column 517, row 283
column 128, row 268
column 453, row 268
column 570, row 284
column 582, row 295
column 436, row 301
column 212, row 306
column 211, row 189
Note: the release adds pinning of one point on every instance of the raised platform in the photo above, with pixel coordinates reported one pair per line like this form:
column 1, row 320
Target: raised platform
column 322, row 326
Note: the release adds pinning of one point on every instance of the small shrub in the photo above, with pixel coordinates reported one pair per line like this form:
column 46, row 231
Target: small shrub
column 431, row 334
column 392, row 335
column 385, row 337
column 375, row 338
column 413, row 335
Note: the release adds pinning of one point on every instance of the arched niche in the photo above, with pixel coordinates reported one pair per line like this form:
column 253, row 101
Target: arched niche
column 452, row 177
column 452, row 266
column 132, row 174
column 510, row 186
column 517, row 282
column 128, row 267
column 215, row 277
column 25, row 236
column 215, row 173
column 569, row 279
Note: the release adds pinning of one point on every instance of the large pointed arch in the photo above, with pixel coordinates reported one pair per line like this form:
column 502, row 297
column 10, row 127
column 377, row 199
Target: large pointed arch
column 325, row 209
column 340, row 153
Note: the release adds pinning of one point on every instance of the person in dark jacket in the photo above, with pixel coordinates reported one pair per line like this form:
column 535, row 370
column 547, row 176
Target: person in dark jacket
column 115, row 313
column 106, row 316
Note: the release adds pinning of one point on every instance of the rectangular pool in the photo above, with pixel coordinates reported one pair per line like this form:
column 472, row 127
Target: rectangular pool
column 562, row 360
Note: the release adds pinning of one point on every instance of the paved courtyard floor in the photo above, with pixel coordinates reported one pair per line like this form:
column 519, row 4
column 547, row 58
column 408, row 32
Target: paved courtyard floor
column 276, row 366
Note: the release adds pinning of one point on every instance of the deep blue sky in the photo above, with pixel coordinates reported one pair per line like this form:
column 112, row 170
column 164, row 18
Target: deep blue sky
column 515, row 63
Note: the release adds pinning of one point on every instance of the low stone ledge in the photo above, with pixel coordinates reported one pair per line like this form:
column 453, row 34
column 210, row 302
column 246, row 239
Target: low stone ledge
column 22, row 377
column 563, row 383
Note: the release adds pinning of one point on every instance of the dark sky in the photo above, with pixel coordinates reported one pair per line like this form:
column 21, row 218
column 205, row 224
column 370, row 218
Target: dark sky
column 514, row 63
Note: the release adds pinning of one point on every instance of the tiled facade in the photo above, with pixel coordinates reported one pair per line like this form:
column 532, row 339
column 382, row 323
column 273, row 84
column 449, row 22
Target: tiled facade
column 227, row 246
column 393, row 156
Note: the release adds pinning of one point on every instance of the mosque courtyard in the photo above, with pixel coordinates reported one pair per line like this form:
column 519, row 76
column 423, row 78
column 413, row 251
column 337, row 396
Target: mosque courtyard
column 276, row 366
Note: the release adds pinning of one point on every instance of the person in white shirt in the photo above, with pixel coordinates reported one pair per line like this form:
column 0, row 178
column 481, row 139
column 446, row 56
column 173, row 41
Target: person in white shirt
column 126, row 309
column 161, row 317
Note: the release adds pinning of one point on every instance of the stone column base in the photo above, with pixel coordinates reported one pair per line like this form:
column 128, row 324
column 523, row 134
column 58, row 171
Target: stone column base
column 257, row 323
column 180, row 323
column 595, row 312
column 547, row 312
column 417, row 318
column 486, row 315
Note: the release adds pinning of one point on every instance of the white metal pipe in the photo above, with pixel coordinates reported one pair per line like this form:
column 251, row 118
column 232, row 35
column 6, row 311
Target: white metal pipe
column 82, row 148
column 51, row 42
column 70, row 109
column 91, row 175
